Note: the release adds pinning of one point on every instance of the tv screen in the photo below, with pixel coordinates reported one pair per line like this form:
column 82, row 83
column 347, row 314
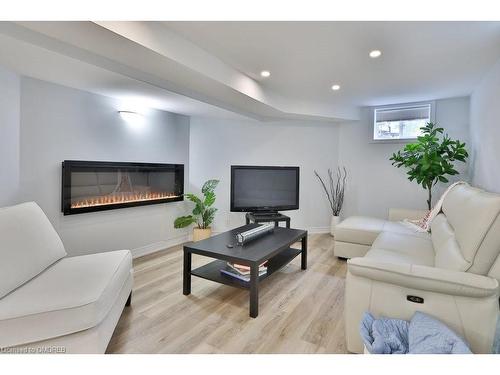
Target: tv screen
column 264, row 188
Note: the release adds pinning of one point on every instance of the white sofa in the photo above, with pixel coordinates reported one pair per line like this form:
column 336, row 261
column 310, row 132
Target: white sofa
column 453, row 271
column 50, row 302
column 354, row 236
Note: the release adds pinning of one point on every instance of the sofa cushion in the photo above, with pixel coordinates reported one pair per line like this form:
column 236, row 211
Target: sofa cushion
column 359, row 229
column 401, row 228
column 364, row 230
column 400, row 248
column 471, row 213
column 448, row 253
column 489, row 251
column 28, row 245
column 72, row 295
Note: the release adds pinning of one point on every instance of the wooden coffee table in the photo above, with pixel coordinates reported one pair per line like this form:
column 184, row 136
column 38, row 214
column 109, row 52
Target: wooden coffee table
column 273, row 247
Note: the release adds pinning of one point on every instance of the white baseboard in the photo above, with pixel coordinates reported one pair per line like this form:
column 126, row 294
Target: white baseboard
column 161, row 245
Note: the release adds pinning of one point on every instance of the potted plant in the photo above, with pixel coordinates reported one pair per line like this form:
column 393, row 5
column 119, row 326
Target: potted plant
column 203, row 213
column 430, row 158
column 334, row 193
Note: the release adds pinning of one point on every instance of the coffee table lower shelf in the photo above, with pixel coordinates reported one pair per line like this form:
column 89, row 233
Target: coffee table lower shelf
column 211, row 271
column 276, row 248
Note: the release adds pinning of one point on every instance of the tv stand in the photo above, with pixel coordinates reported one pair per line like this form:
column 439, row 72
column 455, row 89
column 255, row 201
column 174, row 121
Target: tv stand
column 267, row 217
column 265, row 213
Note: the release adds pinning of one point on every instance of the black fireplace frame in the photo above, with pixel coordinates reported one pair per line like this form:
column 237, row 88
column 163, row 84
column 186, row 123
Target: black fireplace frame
column 68, row 165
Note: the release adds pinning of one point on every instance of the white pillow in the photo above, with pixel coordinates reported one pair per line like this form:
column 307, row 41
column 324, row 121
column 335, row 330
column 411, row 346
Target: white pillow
column 28, row 245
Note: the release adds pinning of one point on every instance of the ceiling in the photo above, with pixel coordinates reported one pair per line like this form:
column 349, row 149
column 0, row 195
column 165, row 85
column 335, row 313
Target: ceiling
column 420, row 60
column 37, row 62
column 212, row 68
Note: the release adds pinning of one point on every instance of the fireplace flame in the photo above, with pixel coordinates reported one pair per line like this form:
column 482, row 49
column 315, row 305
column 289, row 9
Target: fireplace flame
column 117, row 198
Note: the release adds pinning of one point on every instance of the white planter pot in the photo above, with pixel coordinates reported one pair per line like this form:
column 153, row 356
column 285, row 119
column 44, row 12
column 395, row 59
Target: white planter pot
column 333, row 223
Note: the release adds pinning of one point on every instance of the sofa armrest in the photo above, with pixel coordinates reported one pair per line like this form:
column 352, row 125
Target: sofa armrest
column 398, row 214
column 430, row 279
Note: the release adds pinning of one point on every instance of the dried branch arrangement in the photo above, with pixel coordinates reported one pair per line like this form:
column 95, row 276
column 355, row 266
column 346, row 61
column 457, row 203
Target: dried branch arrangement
column 335, row 191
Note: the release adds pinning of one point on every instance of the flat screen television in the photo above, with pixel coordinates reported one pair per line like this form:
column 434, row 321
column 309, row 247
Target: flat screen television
column 264, row 188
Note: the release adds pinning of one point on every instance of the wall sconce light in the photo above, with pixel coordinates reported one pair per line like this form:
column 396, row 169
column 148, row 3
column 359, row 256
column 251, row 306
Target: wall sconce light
column 134, row 119
column 129, row 115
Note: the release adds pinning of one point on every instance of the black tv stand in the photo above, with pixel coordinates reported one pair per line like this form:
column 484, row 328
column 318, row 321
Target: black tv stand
column 265, row 213
column 267, row 217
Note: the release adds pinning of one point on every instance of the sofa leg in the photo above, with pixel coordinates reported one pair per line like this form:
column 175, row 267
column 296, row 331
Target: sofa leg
column 129, row 300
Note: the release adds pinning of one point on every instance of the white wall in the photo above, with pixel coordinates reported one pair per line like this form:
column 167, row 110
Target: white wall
column 9, row 136
column 485, row 131
column 215, row 145
column 42, row 124
column 59, row 123
column 374, row 184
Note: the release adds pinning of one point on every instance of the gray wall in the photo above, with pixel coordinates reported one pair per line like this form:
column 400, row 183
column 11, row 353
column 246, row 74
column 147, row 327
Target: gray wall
column 59, row 123
column 218, row 144
column 9, row 137
column 374, row 184
column 485, row 131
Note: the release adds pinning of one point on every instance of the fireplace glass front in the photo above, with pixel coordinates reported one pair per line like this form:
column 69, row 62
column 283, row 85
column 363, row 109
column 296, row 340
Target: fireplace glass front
column 89, row 186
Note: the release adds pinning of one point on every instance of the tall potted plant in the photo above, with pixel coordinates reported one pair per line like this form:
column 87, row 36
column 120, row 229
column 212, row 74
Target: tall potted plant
column 203, row 213
column 430, row 158
column 334, row 193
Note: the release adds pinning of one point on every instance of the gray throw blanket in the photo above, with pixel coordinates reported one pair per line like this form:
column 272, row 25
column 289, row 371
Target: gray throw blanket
column 423, row 335
column 496, row 343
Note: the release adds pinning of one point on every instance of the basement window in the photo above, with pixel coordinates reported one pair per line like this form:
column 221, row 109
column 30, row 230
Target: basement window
column 401, row 122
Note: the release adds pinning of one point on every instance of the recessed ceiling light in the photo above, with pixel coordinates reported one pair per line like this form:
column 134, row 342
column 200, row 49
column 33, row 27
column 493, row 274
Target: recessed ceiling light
column 335, row 87
column 375, row 53
column 265, row 73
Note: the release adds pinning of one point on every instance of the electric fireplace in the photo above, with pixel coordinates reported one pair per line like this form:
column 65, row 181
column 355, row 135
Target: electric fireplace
column 89, row 186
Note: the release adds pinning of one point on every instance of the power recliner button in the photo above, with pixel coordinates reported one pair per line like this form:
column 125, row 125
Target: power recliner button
column 415, row 299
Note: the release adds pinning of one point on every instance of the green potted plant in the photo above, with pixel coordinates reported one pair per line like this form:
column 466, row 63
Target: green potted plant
column 430, row 158
column 203, row 213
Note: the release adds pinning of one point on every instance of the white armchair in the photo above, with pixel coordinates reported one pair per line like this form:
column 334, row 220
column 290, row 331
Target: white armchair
column 51, row 301
column 451, row 274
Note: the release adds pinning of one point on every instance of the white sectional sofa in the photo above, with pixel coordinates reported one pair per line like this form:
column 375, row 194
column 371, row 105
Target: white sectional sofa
column 451, row 273
column 50, row 302
column 355, row 235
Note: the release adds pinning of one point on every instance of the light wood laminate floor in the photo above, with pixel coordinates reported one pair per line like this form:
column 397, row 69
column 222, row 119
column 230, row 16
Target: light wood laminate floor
column 299, row 311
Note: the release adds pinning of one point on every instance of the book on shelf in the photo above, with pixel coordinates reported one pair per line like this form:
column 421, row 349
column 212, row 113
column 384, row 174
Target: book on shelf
column 245, row 270
column 229, row 271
